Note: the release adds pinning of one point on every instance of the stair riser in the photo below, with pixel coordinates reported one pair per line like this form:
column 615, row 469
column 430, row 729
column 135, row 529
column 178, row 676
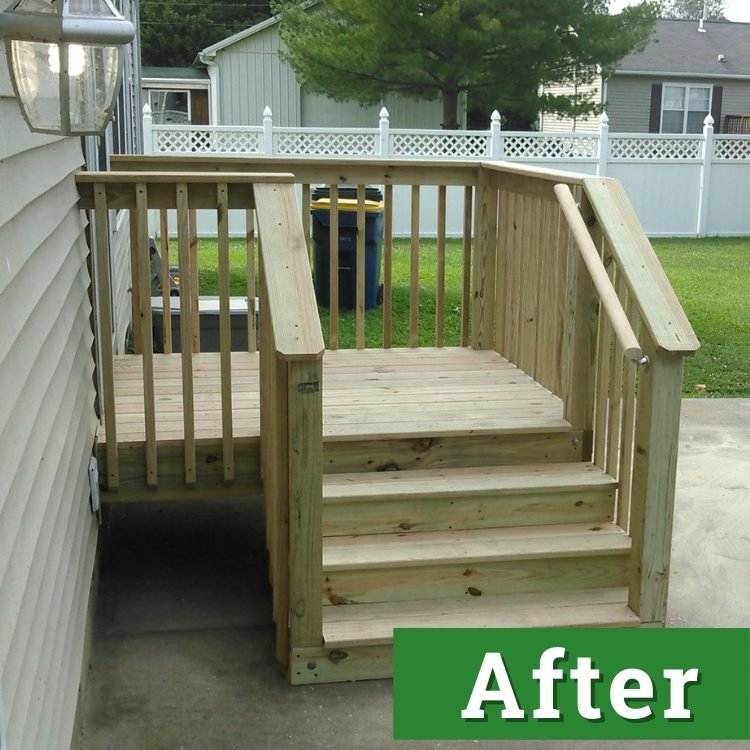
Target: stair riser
column 455, row 580
column 449, row 452
column 493, row 510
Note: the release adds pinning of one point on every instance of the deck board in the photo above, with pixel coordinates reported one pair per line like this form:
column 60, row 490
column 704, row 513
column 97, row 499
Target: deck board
column 368, row 394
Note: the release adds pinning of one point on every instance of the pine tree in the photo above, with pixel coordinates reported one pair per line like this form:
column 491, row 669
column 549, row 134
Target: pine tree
column 174, row 31
column 497, row 53
column 693, row 10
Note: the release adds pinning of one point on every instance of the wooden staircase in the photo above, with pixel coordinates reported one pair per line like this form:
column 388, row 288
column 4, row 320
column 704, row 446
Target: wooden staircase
column 499, row 530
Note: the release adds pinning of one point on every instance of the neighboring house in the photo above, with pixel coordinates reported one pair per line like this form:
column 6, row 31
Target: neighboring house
column 48, row 419
column 688, row 70
column 177, row 95
column 247, row 73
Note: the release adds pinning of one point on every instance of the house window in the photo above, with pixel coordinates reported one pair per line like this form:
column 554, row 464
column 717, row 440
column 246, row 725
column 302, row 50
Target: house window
column 684, row 108
column 170, row 106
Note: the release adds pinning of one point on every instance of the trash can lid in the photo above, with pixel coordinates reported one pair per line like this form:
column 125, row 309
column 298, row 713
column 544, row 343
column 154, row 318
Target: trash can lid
column 346, row 204
column 347, row 191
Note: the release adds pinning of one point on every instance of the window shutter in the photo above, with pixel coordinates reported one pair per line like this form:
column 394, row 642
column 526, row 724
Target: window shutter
column 716, row 107
column 654, row 121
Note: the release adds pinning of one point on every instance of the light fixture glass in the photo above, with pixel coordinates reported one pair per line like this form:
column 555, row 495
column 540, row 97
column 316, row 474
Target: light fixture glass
column 64, row 56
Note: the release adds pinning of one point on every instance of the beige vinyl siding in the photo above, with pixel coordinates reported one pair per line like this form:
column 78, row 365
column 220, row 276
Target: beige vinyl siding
column 629, row 99
column 556, row 124
column 47, row 428
column 252, row 76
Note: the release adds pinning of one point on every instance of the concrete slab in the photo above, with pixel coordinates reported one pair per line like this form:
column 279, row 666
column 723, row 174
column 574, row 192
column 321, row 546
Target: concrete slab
column 183, row 651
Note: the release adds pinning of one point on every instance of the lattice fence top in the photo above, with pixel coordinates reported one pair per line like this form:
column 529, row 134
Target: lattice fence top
column 312, row 143
column 440, row 145
column 655, row 147
column 532, row 146
column 732, row 148
column 209, row 140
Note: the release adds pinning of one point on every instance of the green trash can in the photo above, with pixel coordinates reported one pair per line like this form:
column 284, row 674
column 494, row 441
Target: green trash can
column 320, row 208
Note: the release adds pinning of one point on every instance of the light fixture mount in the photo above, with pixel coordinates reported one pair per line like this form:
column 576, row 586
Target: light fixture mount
column 65, row 62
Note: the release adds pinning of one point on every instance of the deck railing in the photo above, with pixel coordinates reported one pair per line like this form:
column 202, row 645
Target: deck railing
column 527, row 292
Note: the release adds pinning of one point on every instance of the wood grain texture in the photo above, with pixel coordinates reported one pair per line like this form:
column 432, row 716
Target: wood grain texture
column 225, row 334
column 140, row 238
column 166, row 283
column 186, row 324
column 360, row 268
column 286, row 271
column 653, row 488
column 388, row 267
column 333, row 270
column 109, row 405
column 659, row 307
column 440, row 271
column 414, row 270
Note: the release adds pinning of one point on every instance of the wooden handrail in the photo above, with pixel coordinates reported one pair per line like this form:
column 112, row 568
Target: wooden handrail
column 293, row 309
column 660, row 309
column 537, row 173
column 607, row 294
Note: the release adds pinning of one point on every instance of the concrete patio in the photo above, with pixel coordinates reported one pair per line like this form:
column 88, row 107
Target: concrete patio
column 183, row 644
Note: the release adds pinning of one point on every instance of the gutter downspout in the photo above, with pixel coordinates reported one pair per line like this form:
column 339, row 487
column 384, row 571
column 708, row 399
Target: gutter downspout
column 209, row 60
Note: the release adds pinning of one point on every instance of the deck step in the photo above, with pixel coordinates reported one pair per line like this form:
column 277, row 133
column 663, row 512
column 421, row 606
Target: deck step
column 466, row 498
column 358, row 639
column 478, row 562
column 373, row 624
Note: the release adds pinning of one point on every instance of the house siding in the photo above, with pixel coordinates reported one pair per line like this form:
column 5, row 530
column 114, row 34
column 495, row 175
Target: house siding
column 252, row 76
column 556, row 124
column 629, row 99
column 47, row 428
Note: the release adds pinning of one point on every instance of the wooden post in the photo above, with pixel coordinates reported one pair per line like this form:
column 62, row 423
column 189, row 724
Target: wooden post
column 360, row 265
column 186, row 335
column 414, row 270
column 466, row 267
column 193, row 287
column 305, row 482
column 654, row 472
column 166, row 282
column 485, row 244
column 579, row 345
column 225, row 330
column 105, row 334
column 388, row 268
column 440, row 291
column 147, row 338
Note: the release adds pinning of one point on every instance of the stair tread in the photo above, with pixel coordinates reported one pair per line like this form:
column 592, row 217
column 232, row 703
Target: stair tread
column 460, row 481
column 472, row 546
column 373, row 624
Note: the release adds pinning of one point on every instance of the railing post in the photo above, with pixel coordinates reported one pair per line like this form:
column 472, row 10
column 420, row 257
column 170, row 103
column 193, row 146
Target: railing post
column 384, row 140
column 704, row 187
column 484, row 265
column 579, row 342
column 601, row 168
column 148, row 130
column 496, row 136
column 268, row 132
column 654, row 472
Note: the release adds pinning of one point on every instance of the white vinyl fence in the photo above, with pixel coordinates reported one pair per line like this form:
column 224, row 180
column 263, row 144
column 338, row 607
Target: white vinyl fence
column 680, row 185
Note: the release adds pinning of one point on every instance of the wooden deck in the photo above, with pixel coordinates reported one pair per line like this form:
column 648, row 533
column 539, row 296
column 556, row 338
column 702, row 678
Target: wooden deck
column 368, row 395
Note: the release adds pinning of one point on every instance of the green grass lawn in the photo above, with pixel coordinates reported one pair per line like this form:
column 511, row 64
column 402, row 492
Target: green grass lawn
column 711, row 278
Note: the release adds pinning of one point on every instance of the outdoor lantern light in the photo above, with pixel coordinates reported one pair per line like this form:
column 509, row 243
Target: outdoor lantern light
column 64, row 57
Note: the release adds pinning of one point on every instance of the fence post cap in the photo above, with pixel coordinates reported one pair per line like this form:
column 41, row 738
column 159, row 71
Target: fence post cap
column 604, row 119
column 267, row 112
column 708, row 122
column 384, row 114
column 146, row 110
column 495, row 117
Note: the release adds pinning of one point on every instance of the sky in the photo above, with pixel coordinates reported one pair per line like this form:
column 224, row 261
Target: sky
column 737, row 10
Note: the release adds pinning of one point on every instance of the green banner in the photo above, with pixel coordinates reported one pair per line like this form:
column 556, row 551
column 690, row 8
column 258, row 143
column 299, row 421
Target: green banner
column 588, row 683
